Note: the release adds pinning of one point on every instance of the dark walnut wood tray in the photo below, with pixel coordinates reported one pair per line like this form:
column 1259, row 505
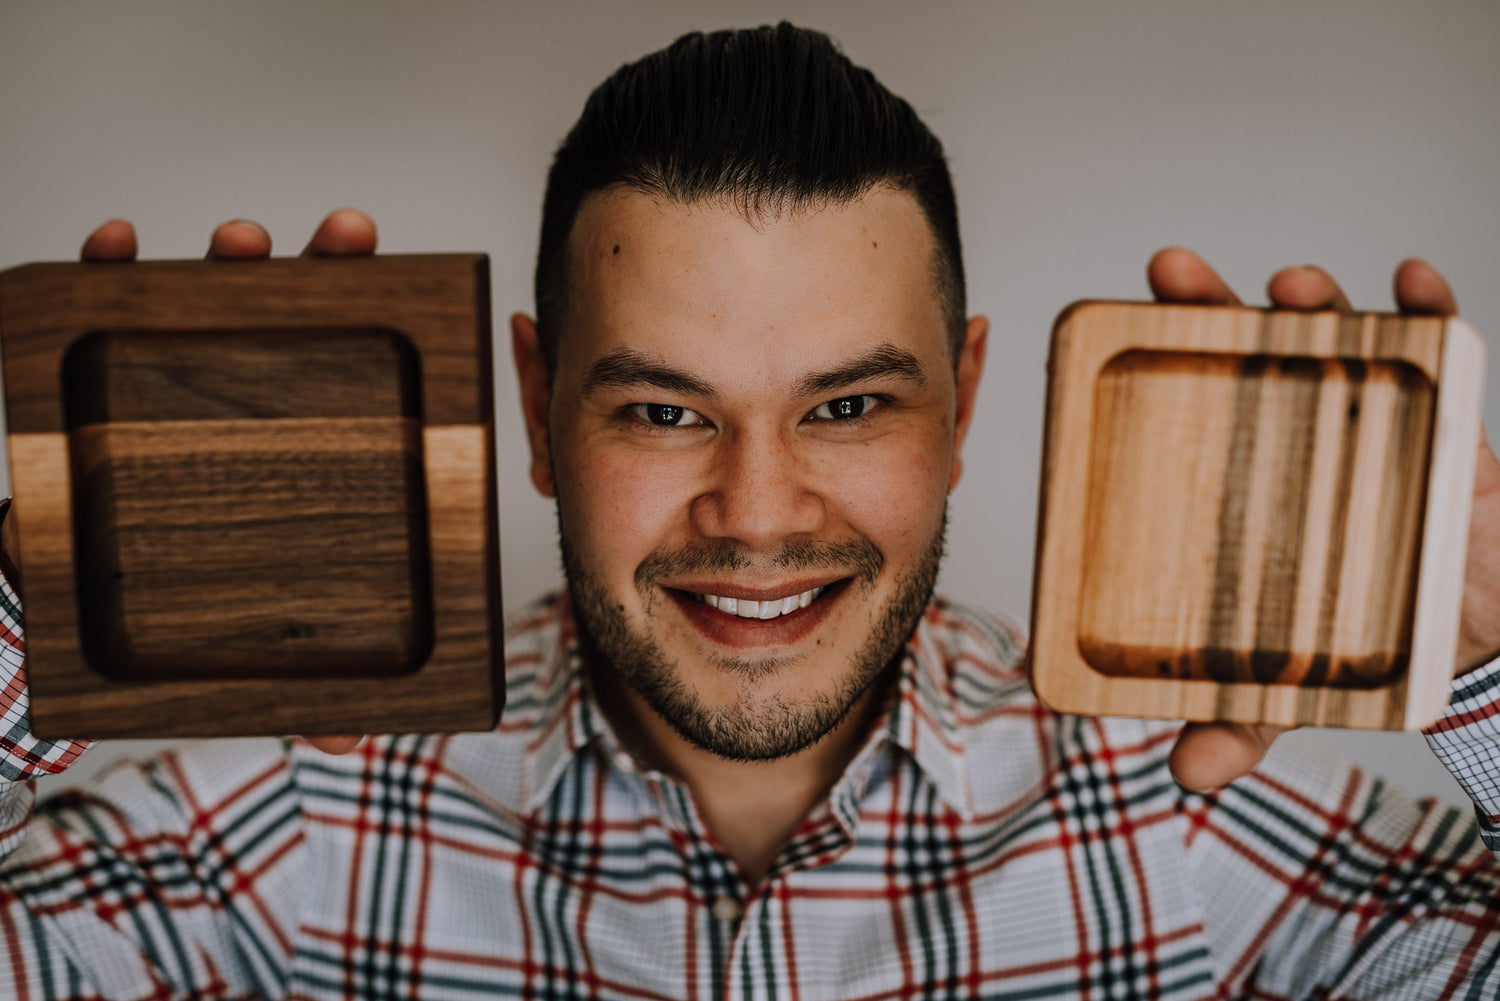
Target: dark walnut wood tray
column 1252, row 515
column 255, row 497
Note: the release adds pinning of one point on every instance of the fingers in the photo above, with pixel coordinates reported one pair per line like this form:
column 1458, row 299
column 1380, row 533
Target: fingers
column 1420, row 289
column 1179, row 275
column 114, row 241
column 239, row 239
column 1417, row 285
column 1210, row 755
column 335, row 745
column 342, row 233
column 1176, row 274
column 345, row 232
column 1306, row 287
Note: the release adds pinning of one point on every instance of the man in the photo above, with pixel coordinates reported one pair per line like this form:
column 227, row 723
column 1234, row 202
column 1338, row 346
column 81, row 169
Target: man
column 748, row 754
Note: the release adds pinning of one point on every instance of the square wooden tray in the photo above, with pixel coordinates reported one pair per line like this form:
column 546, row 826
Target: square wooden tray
column 1253, row 515
column 255, row 497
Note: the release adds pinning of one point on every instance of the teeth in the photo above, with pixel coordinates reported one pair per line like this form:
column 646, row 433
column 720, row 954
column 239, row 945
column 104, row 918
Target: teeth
column 771, row 609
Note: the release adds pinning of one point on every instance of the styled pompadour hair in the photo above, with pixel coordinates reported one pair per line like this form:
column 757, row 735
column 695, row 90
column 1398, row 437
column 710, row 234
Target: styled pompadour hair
column 769, row 119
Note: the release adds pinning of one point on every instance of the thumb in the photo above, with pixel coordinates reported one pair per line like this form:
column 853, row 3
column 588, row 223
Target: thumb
column 1210, row 755
column 336, row 745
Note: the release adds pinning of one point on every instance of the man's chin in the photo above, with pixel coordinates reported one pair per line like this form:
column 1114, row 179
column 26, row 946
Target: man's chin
column 763, row 728
column 739, row 708
column 748, row 671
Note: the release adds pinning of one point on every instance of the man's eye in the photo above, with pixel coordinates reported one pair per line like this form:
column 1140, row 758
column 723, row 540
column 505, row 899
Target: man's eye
column 665, row 415
column 845, row 408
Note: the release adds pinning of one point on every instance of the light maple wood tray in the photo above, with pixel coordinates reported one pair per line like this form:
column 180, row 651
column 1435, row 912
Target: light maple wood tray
column 1252, row 515
column 254, row 497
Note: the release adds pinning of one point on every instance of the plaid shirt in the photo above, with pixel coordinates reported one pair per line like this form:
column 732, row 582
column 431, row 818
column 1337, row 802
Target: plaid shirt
column 977, row 847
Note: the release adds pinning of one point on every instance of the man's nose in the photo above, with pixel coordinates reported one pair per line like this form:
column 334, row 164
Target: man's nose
column 759, row 491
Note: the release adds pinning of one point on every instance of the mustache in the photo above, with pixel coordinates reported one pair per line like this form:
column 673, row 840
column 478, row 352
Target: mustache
column 726, row 556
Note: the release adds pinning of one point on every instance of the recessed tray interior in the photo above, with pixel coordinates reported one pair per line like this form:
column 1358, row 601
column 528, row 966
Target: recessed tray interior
column 249, row 503
column 1254, row 518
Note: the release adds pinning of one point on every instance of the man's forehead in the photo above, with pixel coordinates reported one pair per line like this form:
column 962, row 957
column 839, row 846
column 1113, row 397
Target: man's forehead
column 867, row 261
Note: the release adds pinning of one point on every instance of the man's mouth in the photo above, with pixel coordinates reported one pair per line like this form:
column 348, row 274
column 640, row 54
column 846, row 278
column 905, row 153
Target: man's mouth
column 770, row 608
column 759, row 623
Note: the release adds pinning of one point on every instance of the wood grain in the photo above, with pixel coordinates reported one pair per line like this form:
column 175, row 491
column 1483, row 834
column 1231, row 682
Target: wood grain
column 148, row 375
column 308, row 543
column 255, row 498
column 1277, row 486
column 45, row 307
column 1248, row 515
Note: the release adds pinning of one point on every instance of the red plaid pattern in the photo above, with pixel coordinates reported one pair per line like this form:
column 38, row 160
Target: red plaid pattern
column 978, row 847
column 22, row 756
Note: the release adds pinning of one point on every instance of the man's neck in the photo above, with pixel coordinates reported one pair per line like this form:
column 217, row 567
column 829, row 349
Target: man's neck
column 751, row 808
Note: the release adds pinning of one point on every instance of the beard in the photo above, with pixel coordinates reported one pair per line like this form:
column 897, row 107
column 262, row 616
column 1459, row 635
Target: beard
column 757, row 726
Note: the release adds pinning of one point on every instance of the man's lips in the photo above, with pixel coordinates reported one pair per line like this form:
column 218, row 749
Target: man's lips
column 729, row 620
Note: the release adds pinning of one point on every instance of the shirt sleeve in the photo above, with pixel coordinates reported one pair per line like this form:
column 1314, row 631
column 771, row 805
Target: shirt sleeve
column 1320, row 880
column 174, row 878
column 1467, row 739
column 179, row 877
column 23, row 756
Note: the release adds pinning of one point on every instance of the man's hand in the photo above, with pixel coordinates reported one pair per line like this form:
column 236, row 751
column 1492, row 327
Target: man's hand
column 1209, row 755
column 343, row 233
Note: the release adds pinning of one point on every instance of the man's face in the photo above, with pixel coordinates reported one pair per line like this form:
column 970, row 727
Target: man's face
column 751, row 433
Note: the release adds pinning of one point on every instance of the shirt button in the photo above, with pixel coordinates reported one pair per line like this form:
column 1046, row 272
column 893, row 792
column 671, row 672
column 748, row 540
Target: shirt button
column 726, row 909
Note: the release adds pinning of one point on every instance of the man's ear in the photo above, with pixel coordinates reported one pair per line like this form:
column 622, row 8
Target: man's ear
column 970, row 368
column 536, row 399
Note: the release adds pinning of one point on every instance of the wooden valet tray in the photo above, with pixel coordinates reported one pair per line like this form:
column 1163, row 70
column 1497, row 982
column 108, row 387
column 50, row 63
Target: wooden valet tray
column 255, row 497
column 1253, row 515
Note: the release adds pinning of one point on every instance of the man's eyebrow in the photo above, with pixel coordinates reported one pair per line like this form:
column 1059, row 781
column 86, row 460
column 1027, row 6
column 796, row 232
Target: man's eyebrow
column 882, row 361
column 628, row 367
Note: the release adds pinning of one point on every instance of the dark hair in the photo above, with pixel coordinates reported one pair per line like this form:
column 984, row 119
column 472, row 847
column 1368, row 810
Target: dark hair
column 771, row 119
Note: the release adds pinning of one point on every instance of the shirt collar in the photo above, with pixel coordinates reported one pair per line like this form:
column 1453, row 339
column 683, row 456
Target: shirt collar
column 570, row 720
column 924, row 720
column 920, row 719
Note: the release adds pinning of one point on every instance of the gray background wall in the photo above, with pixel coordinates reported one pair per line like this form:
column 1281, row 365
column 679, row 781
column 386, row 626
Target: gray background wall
column 1083, row 136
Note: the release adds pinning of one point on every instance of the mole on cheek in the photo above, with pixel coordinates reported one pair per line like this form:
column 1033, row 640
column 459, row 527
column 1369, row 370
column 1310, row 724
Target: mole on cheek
column 617, row 248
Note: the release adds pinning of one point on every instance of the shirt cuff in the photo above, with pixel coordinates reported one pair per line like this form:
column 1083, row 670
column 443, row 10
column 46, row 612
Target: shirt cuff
column 23, row 756
column 1467, row 739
